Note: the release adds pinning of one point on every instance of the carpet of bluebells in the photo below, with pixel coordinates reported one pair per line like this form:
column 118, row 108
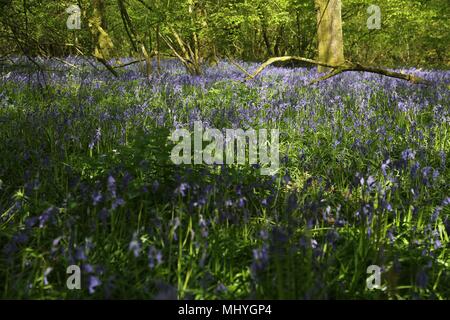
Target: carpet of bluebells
column 86, row 179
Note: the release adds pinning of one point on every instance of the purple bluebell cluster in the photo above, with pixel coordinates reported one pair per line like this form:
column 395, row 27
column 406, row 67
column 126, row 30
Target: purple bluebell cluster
column 86, row 179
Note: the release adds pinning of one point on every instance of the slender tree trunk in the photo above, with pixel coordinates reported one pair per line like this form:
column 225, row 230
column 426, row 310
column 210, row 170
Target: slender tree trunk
column 264, row 30
column 254, row 44
column 299, row 32
column 329, row 33
column 266, row 39
column 157, row 52
column 135, row 39
column 278, row 42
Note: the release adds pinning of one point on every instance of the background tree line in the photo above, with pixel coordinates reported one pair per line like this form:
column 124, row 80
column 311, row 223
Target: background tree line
column 413, row 32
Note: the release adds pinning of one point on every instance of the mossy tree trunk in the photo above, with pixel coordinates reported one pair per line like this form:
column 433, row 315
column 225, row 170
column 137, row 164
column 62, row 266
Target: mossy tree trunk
column 102, row 42
column 329, row 33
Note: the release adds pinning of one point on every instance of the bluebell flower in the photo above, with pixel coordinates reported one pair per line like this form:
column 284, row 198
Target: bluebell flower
column 96, row 139
column 112, row 186
column 56, row 241
column 117, row 203
column 154, row 257
column 88, row 268
column 388, row 207
column 94, row 282
column 97, row 198
column 239, row 190
column 422, row 279
column 182, row 189
column 46, row 216
column 241, row 202
column 369, row 232
column 159, row 257
column 221, row 288
column 435, row 214
column 446, row 201
column 260, row 258
column 426, row 172
column 46, row 273
column 203, row 227
column 80, row 254
column 391, row 236
column 200, row 203
column 385, row 167
column 55, row 245
column 437, row 244
column 31, row 222
column 435, row 174
column 336, row 143
column 264, row 235
column 414, row 168
column 408, row 154
column 443, row 157
column 370, row 181
column 135, row 245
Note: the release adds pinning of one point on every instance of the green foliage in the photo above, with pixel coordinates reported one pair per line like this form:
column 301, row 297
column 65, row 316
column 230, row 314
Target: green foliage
column 416, row 32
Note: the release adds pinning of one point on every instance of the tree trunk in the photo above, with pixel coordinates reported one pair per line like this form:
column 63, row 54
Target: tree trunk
column 264, row 30
column 135, row 38
column 266, row 39
column 157, row 52
column 329, row 33
column 299, row 32
column 102, row 41
column 278, row 41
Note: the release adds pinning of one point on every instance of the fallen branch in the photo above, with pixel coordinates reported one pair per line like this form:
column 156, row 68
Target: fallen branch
column 88, row 60
column 107, row 65
column 127, row 64
column 152, row 55
column 66, row 63
column 239, row 67
column 330, row 74
column 337, row 69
